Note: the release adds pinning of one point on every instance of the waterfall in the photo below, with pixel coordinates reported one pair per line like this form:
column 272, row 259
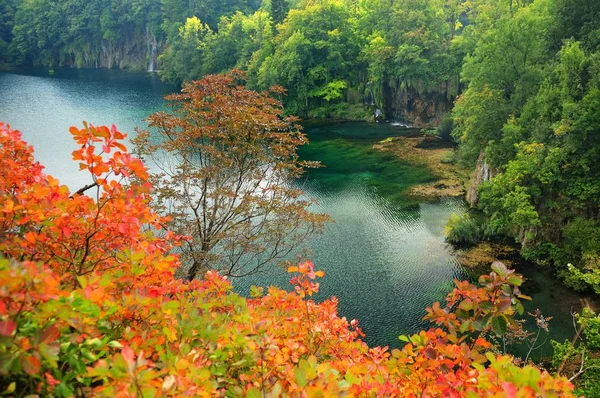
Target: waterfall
column 481, row 174
column 153, row 46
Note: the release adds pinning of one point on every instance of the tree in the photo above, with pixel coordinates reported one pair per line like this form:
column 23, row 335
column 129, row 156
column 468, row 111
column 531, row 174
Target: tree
column 278, row 10
column 184, row 58
column 228, row 161
column 316, row 45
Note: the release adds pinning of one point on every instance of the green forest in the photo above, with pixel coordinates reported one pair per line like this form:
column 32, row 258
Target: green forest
column 512, row 85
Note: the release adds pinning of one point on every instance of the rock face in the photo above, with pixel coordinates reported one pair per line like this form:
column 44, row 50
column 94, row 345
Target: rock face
column 482, row 174
column 422, row 108
column 137, row 51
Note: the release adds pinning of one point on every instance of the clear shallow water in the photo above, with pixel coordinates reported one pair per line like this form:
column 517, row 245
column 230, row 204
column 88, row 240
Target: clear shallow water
column 384, row 255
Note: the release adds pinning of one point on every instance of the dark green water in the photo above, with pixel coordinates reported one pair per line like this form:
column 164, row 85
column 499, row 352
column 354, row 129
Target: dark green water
column 384, row 255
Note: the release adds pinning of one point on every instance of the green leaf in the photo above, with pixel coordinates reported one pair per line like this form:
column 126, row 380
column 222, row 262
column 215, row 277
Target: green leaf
column 466, row 305
column 253, row 393
column 499, row 325
column 301, row 377
column 88, row 354
column 256, row 291
column 499, row 268
column 465, row 325
column 184, row 349
column 148, row 392
column 115, row 344
column 10, row 389
column 50, row 352
column 62, row 390
column 404, row 338
column 515, row 280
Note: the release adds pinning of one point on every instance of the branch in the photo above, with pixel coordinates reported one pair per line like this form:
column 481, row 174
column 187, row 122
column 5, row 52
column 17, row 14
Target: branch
column 581, row 370
column 85, row 188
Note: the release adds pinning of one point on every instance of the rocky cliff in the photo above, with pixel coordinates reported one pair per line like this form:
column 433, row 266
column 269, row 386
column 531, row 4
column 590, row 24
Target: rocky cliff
column 137, row 51
column 422, row 108
column 481, row 174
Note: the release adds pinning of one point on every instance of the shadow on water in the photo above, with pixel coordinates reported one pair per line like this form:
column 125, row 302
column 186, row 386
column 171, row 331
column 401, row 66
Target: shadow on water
column 553, row 299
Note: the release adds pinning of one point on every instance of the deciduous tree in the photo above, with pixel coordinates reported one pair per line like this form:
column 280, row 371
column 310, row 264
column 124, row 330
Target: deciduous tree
column 228, row 162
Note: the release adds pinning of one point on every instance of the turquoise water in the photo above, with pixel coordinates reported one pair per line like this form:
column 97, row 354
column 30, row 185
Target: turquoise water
column 384, row 254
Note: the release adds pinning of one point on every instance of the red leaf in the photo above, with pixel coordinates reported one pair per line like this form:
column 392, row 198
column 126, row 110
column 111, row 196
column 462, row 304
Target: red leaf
column 31, row 365
column 7, row 327
column 50, row 334
column 128, row 354
column 509, row 389
column 430, row 353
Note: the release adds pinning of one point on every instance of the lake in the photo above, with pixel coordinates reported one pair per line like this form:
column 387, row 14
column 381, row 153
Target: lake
column 384, row 255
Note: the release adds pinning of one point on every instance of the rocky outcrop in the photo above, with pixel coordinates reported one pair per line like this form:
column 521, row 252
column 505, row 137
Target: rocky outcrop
column 422, row 108
column 137, row 51
column 482, row 174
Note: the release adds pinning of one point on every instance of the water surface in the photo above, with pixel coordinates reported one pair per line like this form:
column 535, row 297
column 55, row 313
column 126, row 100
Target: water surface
column 43, row 105
column 384, row 254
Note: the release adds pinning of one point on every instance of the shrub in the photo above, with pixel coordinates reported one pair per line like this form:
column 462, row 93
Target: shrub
column 462, row 230
column 444, row 130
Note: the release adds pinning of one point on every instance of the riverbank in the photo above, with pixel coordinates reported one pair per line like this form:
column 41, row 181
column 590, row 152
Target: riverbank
column 437, row 156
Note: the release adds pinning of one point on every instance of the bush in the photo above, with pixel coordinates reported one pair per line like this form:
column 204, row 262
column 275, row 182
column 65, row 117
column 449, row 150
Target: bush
column 444, row 130
column 449, row 158
column 462, row 230
column 580, row 249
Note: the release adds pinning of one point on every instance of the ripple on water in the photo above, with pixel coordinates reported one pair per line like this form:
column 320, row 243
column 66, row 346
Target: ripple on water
column 384, row 255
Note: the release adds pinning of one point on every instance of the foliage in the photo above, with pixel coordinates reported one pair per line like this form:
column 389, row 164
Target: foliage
column 227, row 160
column 579, row 352
column 121, row 324
column 582, row 246
column 462, row 230
column 185, row 57
column 315, row 55
column 444, row 130
column 530, row 112
column 367, row 52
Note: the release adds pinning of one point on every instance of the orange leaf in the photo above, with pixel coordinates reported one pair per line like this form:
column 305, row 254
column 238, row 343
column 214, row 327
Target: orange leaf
column 31, row 365
column 50, row 334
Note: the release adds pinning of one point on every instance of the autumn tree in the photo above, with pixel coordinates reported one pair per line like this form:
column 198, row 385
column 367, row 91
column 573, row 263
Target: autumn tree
column 227, row 159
